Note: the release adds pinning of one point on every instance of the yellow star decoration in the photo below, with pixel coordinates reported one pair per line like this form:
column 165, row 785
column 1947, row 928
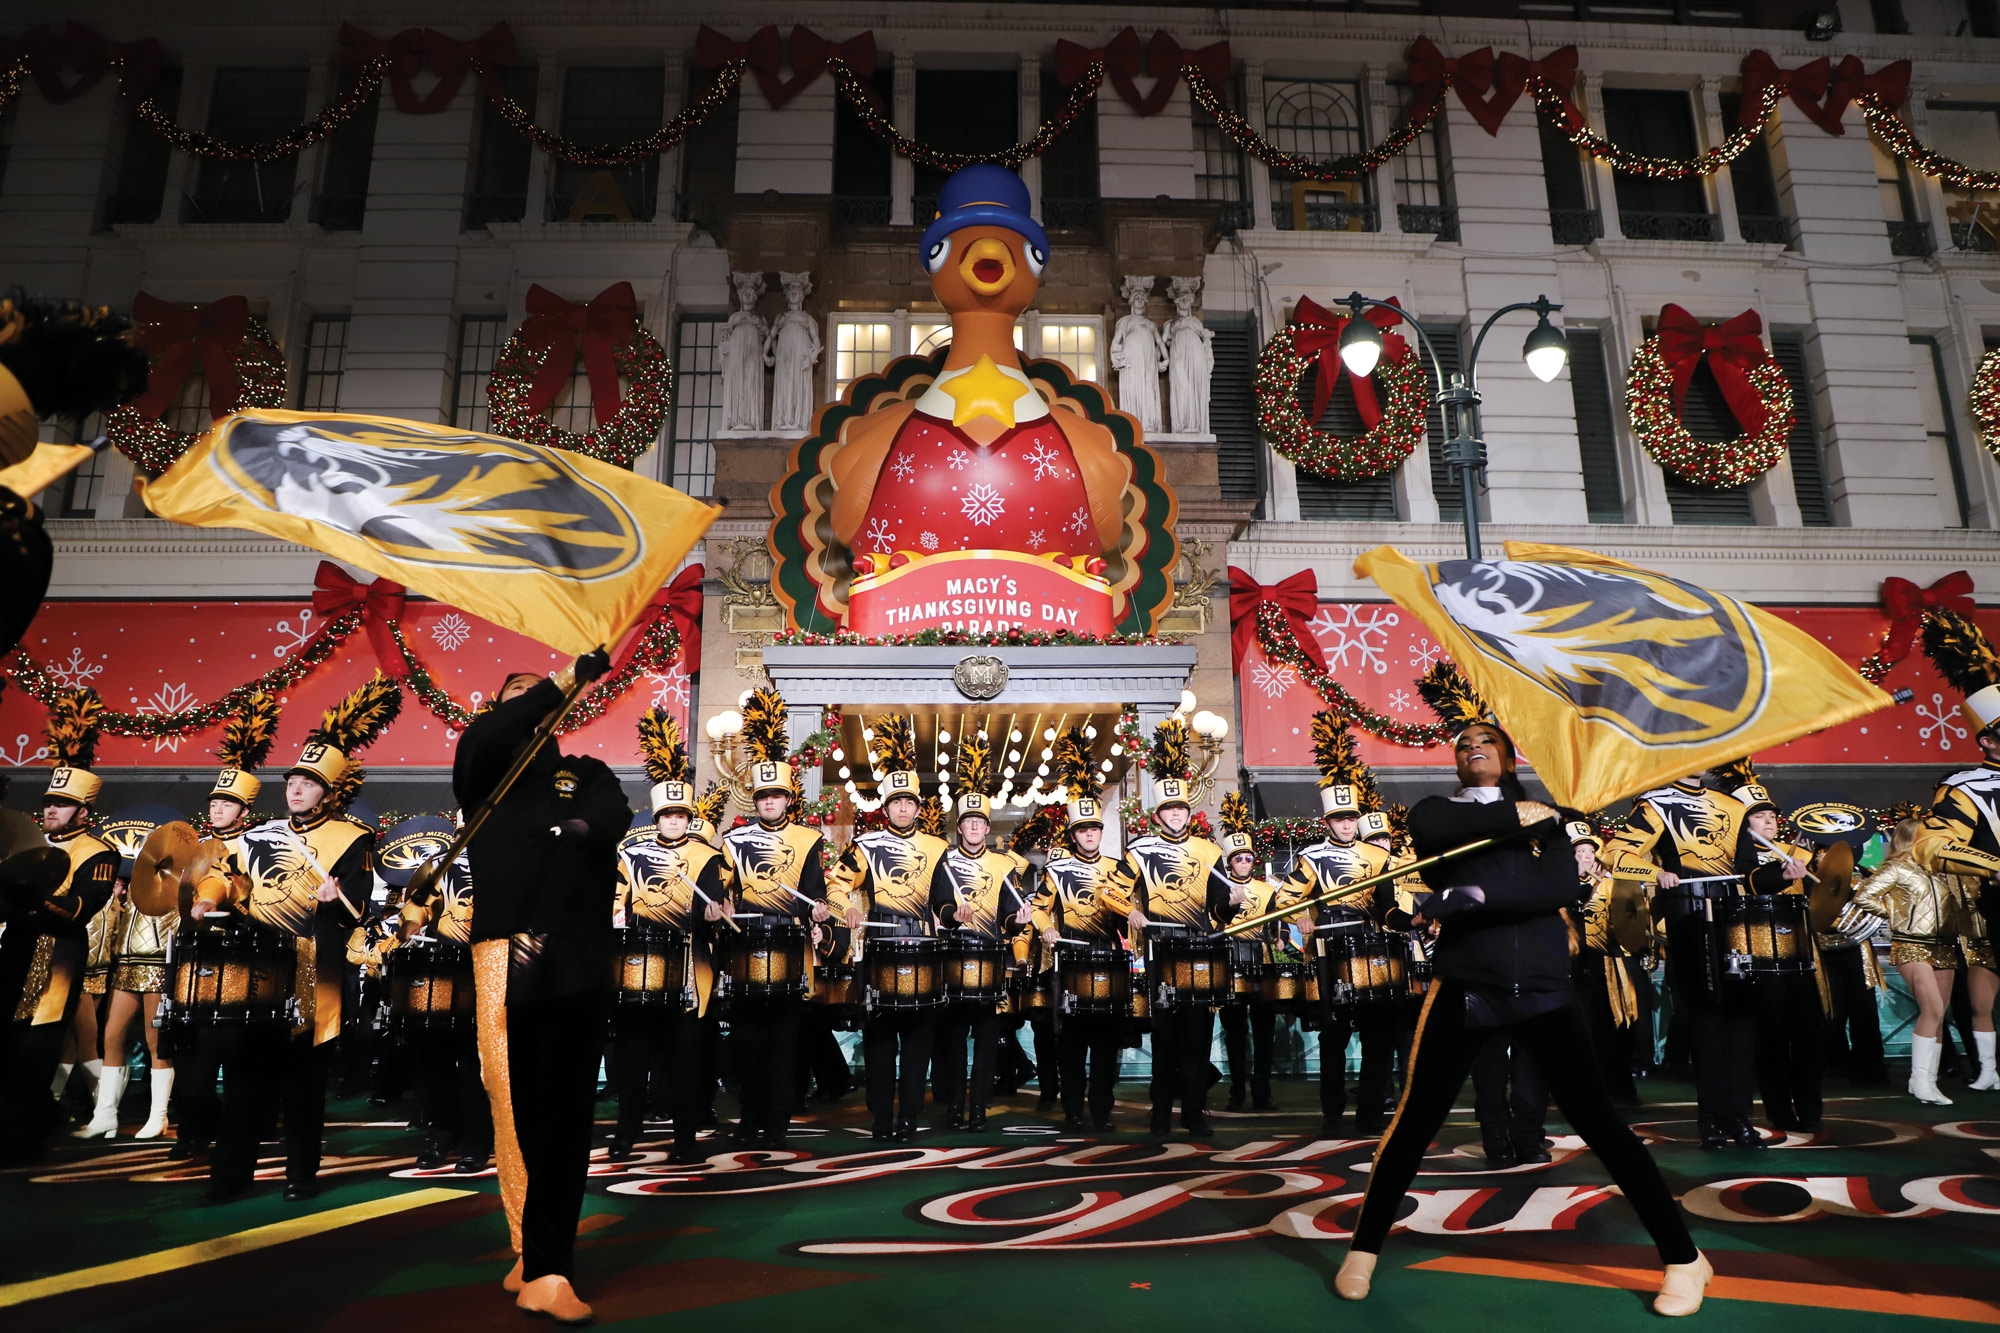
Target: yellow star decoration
column 982, row 391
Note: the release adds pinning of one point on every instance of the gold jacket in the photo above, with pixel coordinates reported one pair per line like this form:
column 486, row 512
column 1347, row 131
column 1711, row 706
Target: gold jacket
column 1916, row 903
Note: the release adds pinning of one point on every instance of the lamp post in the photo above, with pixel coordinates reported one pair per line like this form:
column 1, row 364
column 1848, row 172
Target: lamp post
column 1458, row 396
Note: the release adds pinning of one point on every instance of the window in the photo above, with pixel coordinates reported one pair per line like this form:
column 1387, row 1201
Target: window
column 1421, row 172
column 188, row 413
column 1706, row 415
column 708, row 155
column 1928, row 360
column 926, row 337
column 1596, row 425
column 1323, row 498
column 82, row 489
column 480, row 338
column 966, row 111
column 249, row 104
column 1909, row 235
column 324, row 362
column 609, row 106
column 1889, row 17
column 1075, row 345
column 1232, row 410
column 697, row 404
column 1317, row 118
column 1970, row 132
column 861, row 158
column 1069, row 168
column 1572, row 221
column 1759, row 215
column 1788, row 349
column 860, row 348
column 1658, row 124
column 1221, row 172
column 1446, row 489
column 141, row 180
column 345, row 165
column 500, row 161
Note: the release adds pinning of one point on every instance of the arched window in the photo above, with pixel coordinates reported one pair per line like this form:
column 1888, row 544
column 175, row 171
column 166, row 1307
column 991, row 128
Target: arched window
column 1317, row 118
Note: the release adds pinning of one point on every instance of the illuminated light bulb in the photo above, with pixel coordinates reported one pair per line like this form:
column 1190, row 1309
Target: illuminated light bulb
column 1188, row 702
column 1043, row 770
column 1105, row 767
column 744, row 698
column 1014, row 735
column 838, row 754
column 1013, row 756
column 846, row 772
column 1090, row 733
column 1049, row 734
column 944, row 738
column 1117, row 750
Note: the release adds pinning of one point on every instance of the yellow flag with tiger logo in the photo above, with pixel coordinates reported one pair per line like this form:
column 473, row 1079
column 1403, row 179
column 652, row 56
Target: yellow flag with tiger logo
column 1614, row 680
column 565, row 549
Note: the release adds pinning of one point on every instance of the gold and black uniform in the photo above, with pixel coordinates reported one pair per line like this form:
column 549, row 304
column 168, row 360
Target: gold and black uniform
column 1086, row 898
column 983, row 899
column 1250, row 1027
column 1791, row 1015
column 1968, row 803
column 774, row 862
column 1321, row 867
column 457, row 1110
column 1176, row 883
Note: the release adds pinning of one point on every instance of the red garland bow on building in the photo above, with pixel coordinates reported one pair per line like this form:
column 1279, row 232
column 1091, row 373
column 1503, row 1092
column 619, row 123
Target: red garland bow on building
column 450, row 60
column 86, row 52
column 1556, row 71
column 336, row 592
column 1733, row 348
column 1431, row 71
column 1164, row 59
column 1806, row 85
column 1907, row 605
column 764, row 55
column 1318, row 337
column 214, row 332
column 1297, row 599
column 1888, row 86
column 556, row 327
column 680, row 601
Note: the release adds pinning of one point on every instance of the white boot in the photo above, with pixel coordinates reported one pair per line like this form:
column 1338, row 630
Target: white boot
column 1924, row 1055
column 94, row 1071
column 61, row 1081
column 104, row 1124
column 156, row 1121
column 1989, row 1077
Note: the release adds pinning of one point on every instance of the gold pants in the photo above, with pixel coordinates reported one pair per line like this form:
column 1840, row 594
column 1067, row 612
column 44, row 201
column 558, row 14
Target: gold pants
column 489, row 977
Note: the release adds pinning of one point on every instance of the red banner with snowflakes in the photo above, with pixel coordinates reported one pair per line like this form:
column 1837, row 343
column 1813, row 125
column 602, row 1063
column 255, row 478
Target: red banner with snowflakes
column 163, row 657
column 1377, row 651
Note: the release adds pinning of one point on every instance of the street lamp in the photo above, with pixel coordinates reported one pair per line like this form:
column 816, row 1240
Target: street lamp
column 1458, row 396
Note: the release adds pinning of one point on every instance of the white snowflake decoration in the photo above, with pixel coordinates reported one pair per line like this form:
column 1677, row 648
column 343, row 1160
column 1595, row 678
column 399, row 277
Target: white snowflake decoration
column 879, row 534
column 451, row 631
column 76, row 673
column 1944, row 722
column 670, row 687
column 960, row 459
column 1358, row 630
column 1273, row 678
column 903, row 468
column 928, row 540
column 290, row 640
column 1424, row 656
column 983, row 505
column 1079, row 522
column 23, row 755
column 1036, row 539
column 1046, row 462
column 168, row 699
column 1401, row 701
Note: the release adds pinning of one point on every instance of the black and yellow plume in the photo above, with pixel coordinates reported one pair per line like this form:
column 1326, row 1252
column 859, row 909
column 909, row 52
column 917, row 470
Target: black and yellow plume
column 1076, row 766
column 893, row 747
column 930, row 815
column 975, row 764
column 1903, row 810
column 1338, row 757
column 72, row 728
column 660, row 743
column 764, row 717
column 1736, row 773
column 358, row 721
column 1042, row 827
column 1236, row 816
column 1961, row 652
column 1172, row 752
column 1452, row 697
column 713, row 804
column 248, row 735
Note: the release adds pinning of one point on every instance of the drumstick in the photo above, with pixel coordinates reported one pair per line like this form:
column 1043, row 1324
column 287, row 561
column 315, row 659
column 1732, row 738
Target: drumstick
column 1709, row 879
column 319, row 869
column 1774, row 847
column 705, row 898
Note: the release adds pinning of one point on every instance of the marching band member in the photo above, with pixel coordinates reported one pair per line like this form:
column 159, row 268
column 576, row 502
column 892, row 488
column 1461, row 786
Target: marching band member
column 980, row 895
column 1085, row 898
column 1175, row 883
column 779, row 874
column 1249, row 1029
column 1604, row 985
column 705, row 826
column 458, row 1118
column 546, row 866
column 1503, row 966
column 308, row 877
column 137, row 980
column 1966, row 802
column 888, row 877
column 677, row 881
column 43, row 947
column 1335, row 860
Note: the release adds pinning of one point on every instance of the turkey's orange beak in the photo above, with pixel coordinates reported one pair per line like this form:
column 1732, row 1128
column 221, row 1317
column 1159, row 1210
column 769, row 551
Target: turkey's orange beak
column 988, row 266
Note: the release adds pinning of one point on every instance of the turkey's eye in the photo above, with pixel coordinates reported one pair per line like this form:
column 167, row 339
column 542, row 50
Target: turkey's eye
column 1037, row 260
column 934, row 257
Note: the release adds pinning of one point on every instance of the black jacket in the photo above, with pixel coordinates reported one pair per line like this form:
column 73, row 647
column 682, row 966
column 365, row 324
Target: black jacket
column 1516, row 942
column 529, row 879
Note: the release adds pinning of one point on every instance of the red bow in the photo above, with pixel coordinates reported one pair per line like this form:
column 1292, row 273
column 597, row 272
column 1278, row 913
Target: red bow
column 1907, row 604
column 336, row 592
column 1806, row 85
column 215, row 331
column 1557, row 69
column 1890, row 85
column 680, row 600
column 449, row 59
column 556, row 326
column 1318, row 337
column 1733, row 349
column 1164, row 59
column 764, row 55
column 87, row 53
column 1297, row 597
column 1431, row 71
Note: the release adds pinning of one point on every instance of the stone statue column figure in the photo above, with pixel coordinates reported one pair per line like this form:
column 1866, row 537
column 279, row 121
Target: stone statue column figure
column 1139, row 355
column 792, row 348
column 742, row 357
column 1190, row 360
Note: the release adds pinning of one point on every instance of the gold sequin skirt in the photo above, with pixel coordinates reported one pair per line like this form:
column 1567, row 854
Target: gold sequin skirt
column 1942, row 955
column 141, row 978
column 1978, row 953
column 97, row 982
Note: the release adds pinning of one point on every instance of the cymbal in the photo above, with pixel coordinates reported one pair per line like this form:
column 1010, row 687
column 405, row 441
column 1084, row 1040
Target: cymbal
column 1630, row 915
column 167, row 858
column 27, row 877
column 19, row 833
column 1835, row 887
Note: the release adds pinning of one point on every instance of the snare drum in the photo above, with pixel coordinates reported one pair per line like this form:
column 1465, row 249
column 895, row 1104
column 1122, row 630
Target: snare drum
column 1187, row 969
column 905, row 974
column 650, row 968
column 1286, row 984
column 1763, row 935
column 1094, row 980
column 764, row 961
column 975, row 969
column 239, row 975
column 1363, row 968
column 430, row 986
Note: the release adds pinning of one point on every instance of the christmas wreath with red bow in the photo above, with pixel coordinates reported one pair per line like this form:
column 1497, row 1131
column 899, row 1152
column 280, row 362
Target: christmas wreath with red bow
column 537, row 362
column 1986, row 401
column 1311, row 342
column 241, row 361
column 1752, row 384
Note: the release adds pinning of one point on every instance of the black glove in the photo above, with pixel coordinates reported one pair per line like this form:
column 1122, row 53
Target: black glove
column 593, row 665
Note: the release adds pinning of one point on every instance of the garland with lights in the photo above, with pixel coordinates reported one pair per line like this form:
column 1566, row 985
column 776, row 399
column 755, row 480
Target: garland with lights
column 1381, row 448
column 1352, row 167
column 156, row 446
column 1898, row 138
column 642, row 363
column 1650, row 401
column 951, row 638
column 1986, row 401
column 664, row 139
column 352, row 99
column 860, row 99
column 1281, row 644
column 658, row 648
column 1559, row 111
